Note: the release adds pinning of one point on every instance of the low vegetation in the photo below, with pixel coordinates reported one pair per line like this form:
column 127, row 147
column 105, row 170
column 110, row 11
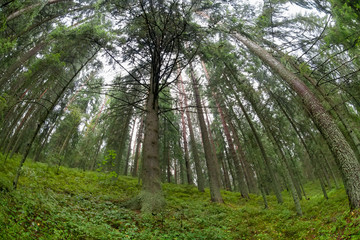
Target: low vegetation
column 77, row 204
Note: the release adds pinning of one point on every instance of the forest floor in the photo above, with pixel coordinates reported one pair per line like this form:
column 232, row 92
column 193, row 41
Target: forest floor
column 88, row 205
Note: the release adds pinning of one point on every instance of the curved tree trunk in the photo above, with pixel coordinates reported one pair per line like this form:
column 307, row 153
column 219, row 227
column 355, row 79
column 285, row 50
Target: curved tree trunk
column 345, row 156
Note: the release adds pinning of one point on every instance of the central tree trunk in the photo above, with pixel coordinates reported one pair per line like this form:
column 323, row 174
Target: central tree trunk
column 151, row 196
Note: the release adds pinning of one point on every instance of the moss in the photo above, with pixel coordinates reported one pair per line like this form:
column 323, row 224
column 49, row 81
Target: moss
column 151, row 202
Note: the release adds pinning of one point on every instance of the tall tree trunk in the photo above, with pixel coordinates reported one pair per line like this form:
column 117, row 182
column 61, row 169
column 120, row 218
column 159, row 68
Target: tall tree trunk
column 135, row 168
column 186, row 150
column 43, row 143
column 249, row 173
column 345, row 156
column 264, row 155
column 194, row 151
column 151, row 196
column 126, row 169
column 95, row 157
column 168, row 170
column 278, row 149
column 240, row 172
column 64, row 145
column 338, row 111
column 17, row 134
column 124, row 135
column 213, row 146
column 300, row 136
column 231, row 168
column 182, row 164
column 211, row 161
column 238, row 168
column 221, row 156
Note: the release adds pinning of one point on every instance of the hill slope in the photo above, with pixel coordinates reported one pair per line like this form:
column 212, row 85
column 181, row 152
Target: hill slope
column 88, row 205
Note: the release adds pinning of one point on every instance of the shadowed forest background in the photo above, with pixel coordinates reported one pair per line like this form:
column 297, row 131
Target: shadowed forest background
column 179, row 119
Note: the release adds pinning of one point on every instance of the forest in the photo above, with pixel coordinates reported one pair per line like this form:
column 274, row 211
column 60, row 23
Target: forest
column 179, row 119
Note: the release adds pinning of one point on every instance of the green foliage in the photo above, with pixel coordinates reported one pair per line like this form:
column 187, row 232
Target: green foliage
column 89, row 205
column 347, row 18
column 6, row 45
column 108, row 159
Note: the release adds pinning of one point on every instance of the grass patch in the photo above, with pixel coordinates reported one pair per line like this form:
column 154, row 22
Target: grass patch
column 89, row 205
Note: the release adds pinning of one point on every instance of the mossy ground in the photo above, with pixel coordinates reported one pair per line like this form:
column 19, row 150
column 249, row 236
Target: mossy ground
column 89, row 205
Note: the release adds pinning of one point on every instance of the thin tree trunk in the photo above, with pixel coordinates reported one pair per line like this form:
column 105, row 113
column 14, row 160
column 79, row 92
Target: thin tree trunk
column 42, row 145
column 249, row 173
column 225, row 175
column 231, row 169
column 186, row 150
column 182, row 164
column 278, row 149
column 309, row 155
column 129, row 150
column 168, row 172
column 135, row 168
column 211, row 161
column 194, row 151
column 265, row 157
column 65, row 143
column 240, row 172
column 124, row 135
column 16, row 137
column 95, row 157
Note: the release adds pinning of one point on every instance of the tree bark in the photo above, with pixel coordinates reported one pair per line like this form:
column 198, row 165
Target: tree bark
column 336, row 110
column 151, row 196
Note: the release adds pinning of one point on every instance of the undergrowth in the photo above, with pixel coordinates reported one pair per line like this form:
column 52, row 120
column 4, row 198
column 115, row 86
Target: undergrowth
column 90, row 205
